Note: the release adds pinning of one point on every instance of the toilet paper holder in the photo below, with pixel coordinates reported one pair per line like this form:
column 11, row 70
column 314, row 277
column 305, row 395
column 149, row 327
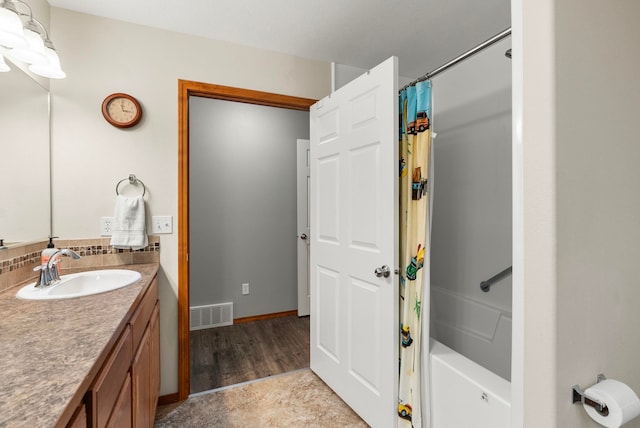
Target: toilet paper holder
column 578, row 396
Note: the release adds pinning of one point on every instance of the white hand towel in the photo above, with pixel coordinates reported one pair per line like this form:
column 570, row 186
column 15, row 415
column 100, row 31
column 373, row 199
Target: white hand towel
column 129, row 229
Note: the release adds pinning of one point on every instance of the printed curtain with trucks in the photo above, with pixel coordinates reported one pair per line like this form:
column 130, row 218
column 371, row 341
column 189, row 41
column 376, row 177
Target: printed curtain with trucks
column 415, row 149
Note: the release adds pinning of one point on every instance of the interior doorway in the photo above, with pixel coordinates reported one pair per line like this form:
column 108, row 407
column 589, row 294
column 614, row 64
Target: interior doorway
column 188, row 89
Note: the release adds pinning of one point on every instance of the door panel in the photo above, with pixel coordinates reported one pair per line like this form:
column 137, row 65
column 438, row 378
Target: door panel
column 328, row 224
column 364, row 340
column 328, row 323
column 354, row 205
column 363, row 198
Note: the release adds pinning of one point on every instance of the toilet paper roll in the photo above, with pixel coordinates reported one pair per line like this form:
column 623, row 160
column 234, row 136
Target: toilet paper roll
column 622, row 402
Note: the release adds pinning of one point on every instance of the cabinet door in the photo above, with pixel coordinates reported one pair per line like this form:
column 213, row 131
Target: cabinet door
column 154, row 364
column 141, row 373
column 105, row 391
column 121, row 415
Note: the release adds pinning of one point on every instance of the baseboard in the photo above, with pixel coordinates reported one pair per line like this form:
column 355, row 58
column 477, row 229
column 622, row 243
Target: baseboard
column 265, row 316
column 163, row 400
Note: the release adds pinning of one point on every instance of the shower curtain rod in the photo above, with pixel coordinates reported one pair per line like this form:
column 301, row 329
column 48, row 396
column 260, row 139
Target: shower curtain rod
column 471, row 52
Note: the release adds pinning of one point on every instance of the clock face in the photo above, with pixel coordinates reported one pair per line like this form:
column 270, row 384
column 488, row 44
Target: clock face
column 121, row 110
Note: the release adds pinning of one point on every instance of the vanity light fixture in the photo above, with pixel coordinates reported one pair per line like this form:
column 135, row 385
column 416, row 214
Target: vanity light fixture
column 11, row 32
column 34, row 53
column 38, row 50
column 51, row 67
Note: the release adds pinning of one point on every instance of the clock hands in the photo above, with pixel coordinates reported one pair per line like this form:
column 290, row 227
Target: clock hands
column 122, row 107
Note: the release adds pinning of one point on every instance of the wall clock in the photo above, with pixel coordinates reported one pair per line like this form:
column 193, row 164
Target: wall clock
column 121, row 110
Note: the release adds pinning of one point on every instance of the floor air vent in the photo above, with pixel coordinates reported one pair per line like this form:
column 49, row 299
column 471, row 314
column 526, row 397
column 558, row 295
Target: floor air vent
column 210, row 316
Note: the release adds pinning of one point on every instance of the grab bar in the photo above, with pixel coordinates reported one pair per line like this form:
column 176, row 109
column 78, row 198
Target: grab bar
column 486, row 285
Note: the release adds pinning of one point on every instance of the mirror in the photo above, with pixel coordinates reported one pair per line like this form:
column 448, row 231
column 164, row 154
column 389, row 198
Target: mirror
column 25, row 206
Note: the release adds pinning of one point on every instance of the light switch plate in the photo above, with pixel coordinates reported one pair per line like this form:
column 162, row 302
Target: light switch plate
column 162, row 224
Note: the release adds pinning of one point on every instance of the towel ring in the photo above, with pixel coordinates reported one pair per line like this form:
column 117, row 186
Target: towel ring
column 132, row 180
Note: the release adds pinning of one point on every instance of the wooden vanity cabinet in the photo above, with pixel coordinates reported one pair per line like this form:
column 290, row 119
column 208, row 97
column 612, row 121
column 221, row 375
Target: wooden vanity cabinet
column 154, row 364
column 121, row 415
column 142, row 383
column 107, row 388
column 125, row 391
column 143, row 369
column 79, row 418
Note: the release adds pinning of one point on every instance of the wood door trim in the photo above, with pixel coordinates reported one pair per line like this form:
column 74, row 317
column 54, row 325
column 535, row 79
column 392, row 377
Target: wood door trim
column 164, row 400
column 187, row 88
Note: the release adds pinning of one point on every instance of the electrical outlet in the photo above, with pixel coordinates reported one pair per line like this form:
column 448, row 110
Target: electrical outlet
column 106, row 226
column 245, row 288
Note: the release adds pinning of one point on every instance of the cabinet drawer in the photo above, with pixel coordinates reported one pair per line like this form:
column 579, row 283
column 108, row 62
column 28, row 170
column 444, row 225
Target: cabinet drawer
column 106, row 389
column 141, row 316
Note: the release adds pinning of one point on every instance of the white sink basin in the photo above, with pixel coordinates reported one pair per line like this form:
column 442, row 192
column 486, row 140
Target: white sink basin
column 81, row 284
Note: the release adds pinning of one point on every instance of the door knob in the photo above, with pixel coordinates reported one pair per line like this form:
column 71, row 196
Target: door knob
column 303, row 236
column 383, row 271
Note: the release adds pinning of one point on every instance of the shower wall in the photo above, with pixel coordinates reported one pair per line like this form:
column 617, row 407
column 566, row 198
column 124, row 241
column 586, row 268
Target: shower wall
column 471, row 223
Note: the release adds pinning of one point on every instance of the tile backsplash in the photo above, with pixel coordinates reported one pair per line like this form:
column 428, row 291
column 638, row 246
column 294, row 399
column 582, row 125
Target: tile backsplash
column 17, row 262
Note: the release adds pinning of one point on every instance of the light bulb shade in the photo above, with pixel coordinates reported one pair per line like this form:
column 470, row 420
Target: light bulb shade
column 34, row 54
column 11, row 31
column 51, row 68
column 3, row 65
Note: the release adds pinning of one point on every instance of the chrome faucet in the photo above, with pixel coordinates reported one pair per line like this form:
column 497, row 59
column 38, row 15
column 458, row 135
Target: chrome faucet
column 49, row 271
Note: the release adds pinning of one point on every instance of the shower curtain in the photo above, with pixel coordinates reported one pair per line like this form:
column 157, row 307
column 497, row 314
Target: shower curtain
column 415, row 149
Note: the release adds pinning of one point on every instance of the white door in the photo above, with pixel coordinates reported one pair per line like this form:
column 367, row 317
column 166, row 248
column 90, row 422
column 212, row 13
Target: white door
column 303, row 228
column 354, row 214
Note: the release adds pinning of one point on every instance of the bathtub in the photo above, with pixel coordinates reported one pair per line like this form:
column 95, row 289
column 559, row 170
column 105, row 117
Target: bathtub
column 465, row 394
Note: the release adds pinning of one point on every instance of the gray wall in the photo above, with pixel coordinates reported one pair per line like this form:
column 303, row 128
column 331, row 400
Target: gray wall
column 471, row 229
column 598, row 198
column 581, row 227
column 243, row 204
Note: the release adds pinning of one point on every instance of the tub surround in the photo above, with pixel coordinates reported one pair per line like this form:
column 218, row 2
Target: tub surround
column 52, row 350
column 458, row 382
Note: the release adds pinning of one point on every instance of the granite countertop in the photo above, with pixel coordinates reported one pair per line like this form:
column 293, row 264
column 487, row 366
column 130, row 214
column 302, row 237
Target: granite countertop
column 48, row 349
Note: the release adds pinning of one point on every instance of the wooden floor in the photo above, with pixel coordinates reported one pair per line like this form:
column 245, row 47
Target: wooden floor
column 229, row 355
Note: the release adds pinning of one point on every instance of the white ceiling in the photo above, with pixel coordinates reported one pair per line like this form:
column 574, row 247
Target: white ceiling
column 424, row 34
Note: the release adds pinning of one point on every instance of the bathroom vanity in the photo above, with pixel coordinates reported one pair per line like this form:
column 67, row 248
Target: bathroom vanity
column 86, row 362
